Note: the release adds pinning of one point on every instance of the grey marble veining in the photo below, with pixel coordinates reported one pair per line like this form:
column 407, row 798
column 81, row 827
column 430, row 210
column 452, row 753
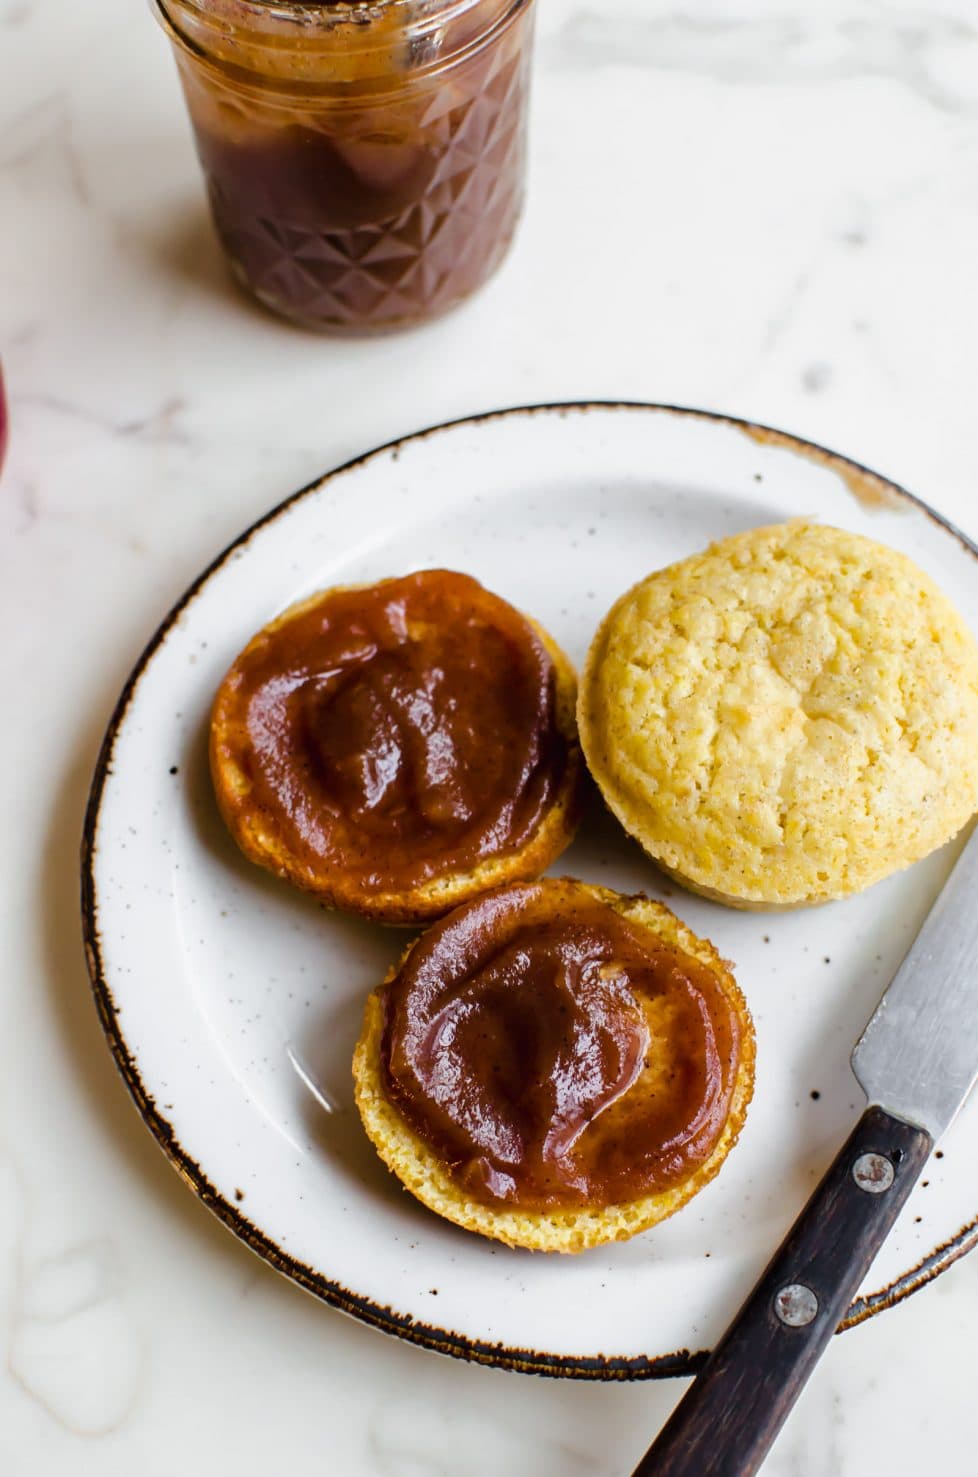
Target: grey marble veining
column 784, row 45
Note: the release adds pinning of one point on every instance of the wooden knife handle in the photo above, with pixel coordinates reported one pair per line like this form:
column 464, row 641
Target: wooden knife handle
column 728, row 1419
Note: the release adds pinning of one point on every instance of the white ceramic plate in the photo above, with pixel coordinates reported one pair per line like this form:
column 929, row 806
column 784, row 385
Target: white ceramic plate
column 232, row 1003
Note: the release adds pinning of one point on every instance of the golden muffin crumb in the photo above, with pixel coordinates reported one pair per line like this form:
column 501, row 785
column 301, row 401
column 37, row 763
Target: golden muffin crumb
column 424, row 1173
column 786, row 718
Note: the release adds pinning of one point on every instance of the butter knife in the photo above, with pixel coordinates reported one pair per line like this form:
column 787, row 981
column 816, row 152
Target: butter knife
column 916, row 1061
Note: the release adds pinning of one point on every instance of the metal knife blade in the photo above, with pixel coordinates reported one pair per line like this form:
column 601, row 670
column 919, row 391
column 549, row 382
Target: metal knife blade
column 918, row 1056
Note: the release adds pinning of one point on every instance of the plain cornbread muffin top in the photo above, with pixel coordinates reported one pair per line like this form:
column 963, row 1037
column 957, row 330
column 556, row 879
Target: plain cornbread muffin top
column 786, row 718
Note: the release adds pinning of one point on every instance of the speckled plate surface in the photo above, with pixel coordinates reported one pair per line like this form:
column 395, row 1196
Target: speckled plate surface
column 232, row 1003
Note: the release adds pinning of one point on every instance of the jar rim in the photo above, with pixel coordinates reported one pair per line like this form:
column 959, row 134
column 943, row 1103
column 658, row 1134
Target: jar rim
column 325, row 15
column 272, row 27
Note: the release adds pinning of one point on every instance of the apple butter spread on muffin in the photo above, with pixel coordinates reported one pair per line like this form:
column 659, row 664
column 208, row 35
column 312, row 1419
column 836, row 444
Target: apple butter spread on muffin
column 398, row 748
column 555, row 1065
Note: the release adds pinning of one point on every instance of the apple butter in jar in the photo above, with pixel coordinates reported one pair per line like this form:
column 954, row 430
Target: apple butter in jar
column 365, row 162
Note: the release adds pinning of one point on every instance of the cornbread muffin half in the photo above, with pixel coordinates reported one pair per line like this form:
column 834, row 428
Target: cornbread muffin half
column 556, row 1066
column 397, row 748
column 786, row 718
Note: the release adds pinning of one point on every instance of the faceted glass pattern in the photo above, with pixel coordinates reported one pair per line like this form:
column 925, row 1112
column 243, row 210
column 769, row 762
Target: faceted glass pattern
column 369, row 219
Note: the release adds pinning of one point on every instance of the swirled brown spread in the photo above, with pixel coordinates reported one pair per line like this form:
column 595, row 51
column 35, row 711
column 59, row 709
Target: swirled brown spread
column 399, row 733
column 557, row 1054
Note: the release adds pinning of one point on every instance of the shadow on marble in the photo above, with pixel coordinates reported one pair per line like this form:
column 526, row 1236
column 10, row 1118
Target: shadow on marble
column 186, row 251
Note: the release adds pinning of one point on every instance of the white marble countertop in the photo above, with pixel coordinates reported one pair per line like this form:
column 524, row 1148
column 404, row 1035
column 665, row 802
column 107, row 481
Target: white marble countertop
column 765, row 209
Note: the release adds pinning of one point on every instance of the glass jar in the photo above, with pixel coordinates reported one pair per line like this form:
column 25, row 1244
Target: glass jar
column 365, row 162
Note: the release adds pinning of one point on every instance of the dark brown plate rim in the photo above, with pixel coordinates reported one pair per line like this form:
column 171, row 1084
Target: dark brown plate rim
column 444, row 1341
